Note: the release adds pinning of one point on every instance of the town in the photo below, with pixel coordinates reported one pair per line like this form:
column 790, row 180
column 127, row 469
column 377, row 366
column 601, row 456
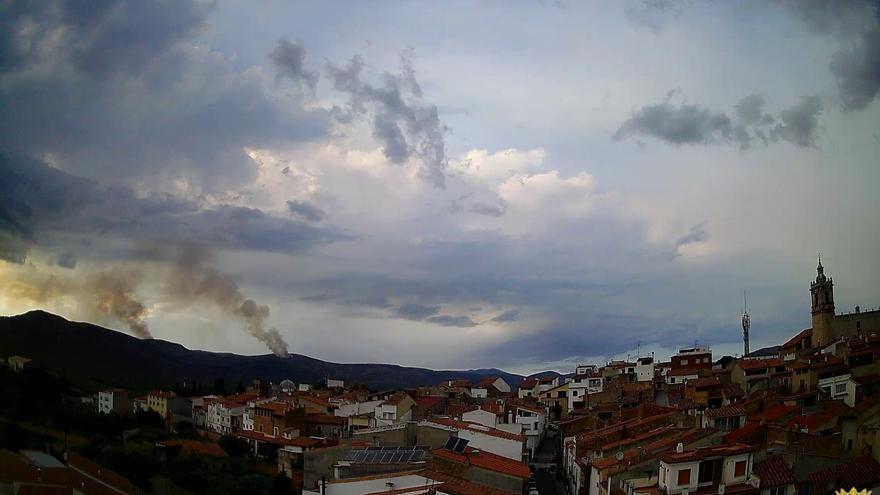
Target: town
column 799, row 418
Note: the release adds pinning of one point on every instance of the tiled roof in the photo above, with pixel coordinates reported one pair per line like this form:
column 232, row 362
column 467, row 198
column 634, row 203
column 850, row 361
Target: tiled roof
column 705, row 452
column 754, row 364
column 476, row 428
column 650, row 450
column 485, row 382
column 774, row 472
column 98, row 474
column 741, row 434
column 428, row 401
column 797, row 338
column 456, row 410
column 528, row 384
column 863, row 472
column 706, row 382
column 458, row 486
column 487, row 461
column 774, row 413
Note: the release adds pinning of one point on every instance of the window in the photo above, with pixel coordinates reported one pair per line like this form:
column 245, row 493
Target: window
column 739, row 469
column 684, row 477
column 840, row 388
column 574, row 393
column 684, row 362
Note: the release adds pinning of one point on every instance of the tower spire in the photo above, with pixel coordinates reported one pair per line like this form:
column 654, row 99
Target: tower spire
column 746, row 324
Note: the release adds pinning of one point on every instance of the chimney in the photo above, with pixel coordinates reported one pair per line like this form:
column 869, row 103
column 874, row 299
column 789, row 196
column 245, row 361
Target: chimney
column 679, row 448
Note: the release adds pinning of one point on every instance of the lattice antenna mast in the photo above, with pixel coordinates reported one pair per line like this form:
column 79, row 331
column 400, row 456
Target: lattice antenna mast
column 746, row 323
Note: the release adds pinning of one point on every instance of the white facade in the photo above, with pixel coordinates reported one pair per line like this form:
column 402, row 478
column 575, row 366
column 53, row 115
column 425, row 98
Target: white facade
column 671, row 474
column 676, row 378
column 533, row 424
column 480, row 416
column 645, row 369
column 113, row 400
column 484, row 438
column 357, row 408
column 835, row 386
column 333, row 383
column 219, row 418
column 385, row 414
column 479, row 392
column 413, row 484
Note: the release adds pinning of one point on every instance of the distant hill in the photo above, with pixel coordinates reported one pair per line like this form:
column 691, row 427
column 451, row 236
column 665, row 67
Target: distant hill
column 91, row 354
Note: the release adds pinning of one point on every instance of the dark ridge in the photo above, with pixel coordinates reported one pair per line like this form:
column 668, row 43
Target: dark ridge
column 99, row 356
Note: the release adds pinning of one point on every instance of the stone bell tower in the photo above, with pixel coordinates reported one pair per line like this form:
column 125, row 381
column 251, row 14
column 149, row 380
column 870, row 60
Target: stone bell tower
column 822, row 292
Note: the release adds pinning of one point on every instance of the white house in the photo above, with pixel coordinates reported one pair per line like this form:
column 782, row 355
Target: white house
column 645, row 369
column 835, row 386
column 528, row 388
column 113, row 400
column 224, row 415
column 705, row 469
column 534, row 422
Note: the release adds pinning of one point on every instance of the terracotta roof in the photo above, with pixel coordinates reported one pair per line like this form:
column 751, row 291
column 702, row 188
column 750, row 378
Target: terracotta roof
column 528, row 383
column 487, row 381
column 429, row 401
column 458, row 486
column 863, row 472
column 162, row 394
column 90, row 474
column 705, row 452
column 304, row 442
column 754, row 364
column 476, row 428
column 741, row 434
column 774, row 413
column 650, row 450
column 456, row 410
column 706, row 382
column 797, row 338
column 486, row 460
column 196, row 447
column 774, row 472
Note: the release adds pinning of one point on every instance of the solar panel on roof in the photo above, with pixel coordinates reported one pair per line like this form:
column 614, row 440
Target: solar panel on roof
column 460, row 446
column 450, row 443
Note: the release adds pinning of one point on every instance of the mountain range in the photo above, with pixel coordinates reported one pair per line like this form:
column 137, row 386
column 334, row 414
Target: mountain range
column 97, row 356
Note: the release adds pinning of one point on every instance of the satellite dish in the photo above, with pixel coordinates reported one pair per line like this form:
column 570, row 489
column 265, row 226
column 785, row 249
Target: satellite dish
column 619, row 455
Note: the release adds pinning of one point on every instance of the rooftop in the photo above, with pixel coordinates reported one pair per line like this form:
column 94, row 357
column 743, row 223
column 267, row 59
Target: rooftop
column 486, row 460
column 704, row 453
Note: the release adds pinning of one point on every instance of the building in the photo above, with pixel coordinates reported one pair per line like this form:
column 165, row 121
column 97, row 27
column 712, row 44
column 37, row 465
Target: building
column 776, row 477
column 396, row 409
column 18, row 363
column 483, row 438
column 534, row 424
column 829, row 327
column 703, row 470
column 114, row 401
column 694, row 358
column 225, row 415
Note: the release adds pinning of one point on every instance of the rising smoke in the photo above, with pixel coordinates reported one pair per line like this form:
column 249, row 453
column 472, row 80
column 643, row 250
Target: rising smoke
column 102, row 296
column 192, row 280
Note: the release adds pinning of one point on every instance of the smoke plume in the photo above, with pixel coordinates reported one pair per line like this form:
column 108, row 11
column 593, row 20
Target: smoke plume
column 103, row 296
column 192, row 280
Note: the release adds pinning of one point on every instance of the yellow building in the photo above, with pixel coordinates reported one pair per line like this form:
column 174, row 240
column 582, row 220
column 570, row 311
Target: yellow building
column 159, row 401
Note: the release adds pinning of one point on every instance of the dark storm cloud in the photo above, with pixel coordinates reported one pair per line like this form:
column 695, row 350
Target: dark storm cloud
column 689, row 124
column 452, row 321
column 800, row 123
column 38, row 202
column 677, row 124
column 305, row 210
column 858, row 70
column 118, row 91
column 404, row 125
column 856, row 23
column 289, row 60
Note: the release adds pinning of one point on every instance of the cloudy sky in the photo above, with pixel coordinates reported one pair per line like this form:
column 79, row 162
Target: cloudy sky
column 520, row 185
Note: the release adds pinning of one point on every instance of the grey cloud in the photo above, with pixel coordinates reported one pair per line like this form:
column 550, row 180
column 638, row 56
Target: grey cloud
column 689, row 124
column 834, row 16
column 414, row 311
column 695, row 235
column 305, row 210
column 466, row 203
column 507, row 316
column 400, row 121
column 487, row 209
column 858, row 70
column 653, row 14
column 289, row 60
column 799, row 124
column 677, row 124
column 40, row 202
column 452, row 321
column 66, row 259
column 118, row 91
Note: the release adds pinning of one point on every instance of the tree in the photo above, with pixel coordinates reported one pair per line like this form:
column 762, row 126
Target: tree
column 234, row 446
column 281, row 485
column 219, row 386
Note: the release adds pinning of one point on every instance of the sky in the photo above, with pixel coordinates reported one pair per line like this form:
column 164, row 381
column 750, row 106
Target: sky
column 521, row 185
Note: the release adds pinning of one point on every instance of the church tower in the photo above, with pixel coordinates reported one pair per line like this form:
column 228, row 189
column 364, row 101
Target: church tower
column 822, row 292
